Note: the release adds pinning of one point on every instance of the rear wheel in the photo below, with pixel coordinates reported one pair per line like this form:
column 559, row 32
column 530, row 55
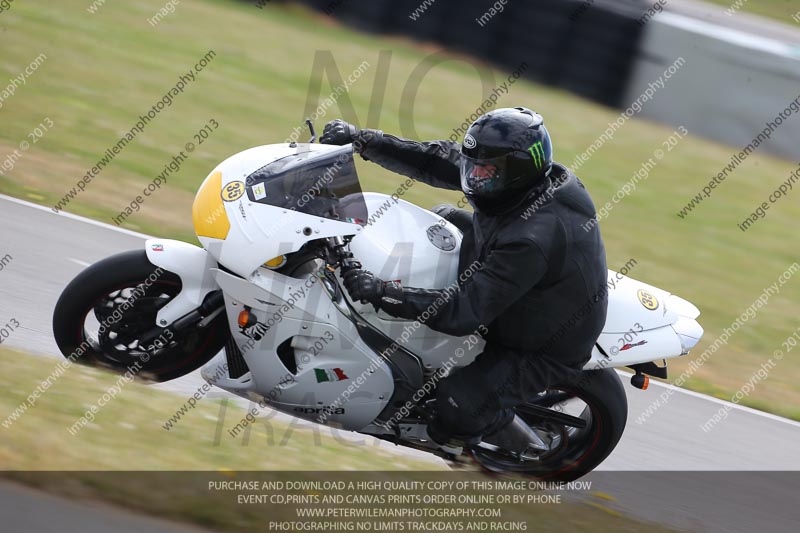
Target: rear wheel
column 598, row 399
column 108, row 308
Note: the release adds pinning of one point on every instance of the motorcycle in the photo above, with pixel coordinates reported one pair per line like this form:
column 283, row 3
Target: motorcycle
column 260, row 306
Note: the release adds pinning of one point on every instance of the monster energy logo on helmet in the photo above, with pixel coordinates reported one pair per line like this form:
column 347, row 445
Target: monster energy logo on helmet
column 537, row 152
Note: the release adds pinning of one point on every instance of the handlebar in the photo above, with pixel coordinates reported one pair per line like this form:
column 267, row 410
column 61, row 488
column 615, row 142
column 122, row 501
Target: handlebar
column 342, row 255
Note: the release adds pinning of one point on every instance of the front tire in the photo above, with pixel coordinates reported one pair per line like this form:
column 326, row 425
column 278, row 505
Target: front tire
column 122, row 294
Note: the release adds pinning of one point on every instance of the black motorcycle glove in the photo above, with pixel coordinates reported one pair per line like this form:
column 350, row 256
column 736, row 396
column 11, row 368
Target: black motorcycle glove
column 338, row 132
column 366, row 287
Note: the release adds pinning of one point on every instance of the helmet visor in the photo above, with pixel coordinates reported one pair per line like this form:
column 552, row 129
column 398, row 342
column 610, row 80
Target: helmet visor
column 484, row 178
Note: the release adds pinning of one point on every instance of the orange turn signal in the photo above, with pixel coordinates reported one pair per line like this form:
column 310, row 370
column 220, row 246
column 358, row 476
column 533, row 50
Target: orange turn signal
column 246, row 319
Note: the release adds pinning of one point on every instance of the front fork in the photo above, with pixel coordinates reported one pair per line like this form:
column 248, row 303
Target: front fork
column 213, row 305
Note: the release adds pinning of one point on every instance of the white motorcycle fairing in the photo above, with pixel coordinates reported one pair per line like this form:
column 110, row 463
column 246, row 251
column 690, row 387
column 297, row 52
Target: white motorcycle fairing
column 192, row 265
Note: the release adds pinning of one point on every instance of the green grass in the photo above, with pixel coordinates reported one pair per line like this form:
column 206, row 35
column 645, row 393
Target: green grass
column 104, row 70
column 781, row 10
column 127, row 436
column 132, row 423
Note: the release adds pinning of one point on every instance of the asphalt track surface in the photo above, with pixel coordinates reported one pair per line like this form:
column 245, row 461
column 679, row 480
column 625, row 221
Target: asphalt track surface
column 49, row 249
column 28, row 511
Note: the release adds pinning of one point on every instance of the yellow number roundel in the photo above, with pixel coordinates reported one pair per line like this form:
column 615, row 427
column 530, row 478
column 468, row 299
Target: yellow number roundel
column 648, row 300
column 233, row 191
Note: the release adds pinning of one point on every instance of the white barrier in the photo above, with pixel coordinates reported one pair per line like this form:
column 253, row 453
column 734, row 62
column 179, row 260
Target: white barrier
column 732, row 84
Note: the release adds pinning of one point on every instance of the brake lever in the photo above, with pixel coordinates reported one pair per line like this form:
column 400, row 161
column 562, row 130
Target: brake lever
column 345, row 260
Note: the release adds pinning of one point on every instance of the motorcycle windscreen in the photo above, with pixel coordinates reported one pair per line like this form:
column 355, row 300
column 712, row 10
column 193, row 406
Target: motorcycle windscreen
column 319, row 183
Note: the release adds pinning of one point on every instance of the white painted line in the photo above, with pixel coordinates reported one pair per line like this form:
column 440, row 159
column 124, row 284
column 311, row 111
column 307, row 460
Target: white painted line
column 74, row 217
column 78, row 262
column 741, row 39
column 652, row 382
column 718, row 401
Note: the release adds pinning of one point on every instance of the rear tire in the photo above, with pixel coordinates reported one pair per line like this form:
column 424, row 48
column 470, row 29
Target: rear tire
column 101, row 291
column 606, row 413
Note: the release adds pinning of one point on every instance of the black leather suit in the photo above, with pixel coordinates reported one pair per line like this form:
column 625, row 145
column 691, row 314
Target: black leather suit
column 540, row 294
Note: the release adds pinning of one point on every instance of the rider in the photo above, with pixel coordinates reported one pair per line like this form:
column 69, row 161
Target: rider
column 539, row 297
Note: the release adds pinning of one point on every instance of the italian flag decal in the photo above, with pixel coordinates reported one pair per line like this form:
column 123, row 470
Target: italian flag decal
column 335, row 374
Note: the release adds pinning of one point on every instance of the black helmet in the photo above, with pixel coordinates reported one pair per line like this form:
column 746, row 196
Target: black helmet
column 505, row 154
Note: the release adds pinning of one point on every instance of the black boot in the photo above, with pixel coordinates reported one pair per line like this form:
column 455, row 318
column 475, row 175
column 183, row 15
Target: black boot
column 446, row 438
column 442, row 434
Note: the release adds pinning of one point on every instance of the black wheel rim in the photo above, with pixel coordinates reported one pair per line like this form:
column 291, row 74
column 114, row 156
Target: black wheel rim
column 137, row 306
column 118, row 346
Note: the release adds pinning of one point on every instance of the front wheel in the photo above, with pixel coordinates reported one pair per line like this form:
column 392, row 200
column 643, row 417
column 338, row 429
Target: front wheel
column 598, row 399
column 105, row 311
